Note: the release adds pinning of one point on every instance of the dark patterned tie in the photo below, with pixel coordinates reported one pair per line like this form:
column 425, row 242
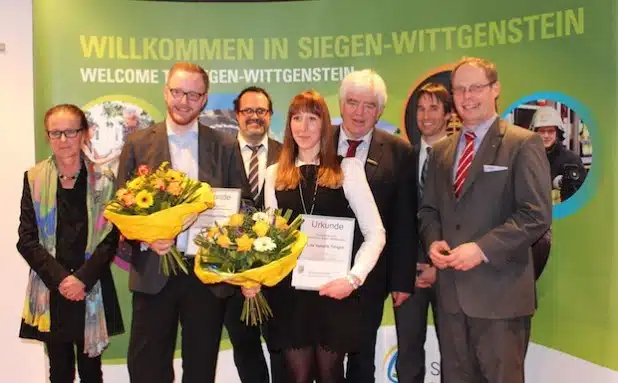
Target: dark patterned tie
column 254, row 170
column 421, row 185
column 352, row 145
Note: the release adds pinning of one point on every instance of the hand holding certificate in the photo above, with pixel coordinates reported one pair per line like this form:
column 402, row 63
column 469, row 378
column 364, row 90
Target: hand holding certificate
column 328, row 253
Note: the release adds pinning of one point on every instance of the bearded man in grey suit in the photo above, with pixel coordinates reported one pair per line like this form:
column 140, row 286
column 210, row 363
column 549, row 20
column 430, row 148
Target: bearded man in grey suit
column 486, row 201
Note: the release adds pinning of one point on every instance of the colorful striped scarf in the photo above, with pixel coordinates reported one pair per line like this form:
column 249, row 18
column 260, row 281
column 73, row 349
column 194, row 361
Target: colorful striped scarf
column 43, row 180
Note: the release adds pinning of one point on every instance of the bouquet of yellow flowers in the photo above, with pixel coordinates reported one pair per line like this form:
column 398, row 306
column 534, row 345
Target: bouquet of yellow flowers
column 159, row 205
column 250, row 249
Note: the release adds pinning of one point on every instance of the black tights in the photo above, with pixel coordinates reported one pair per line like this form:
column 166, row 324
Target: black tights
column 303, row 364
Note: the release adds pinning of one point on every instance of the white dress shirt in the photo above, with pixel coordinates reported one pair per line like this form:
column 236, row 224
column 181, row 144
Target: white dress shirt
column 362, row 151
column 184, row 156
column 246, row 153
column 422, row 157
column 360, row 198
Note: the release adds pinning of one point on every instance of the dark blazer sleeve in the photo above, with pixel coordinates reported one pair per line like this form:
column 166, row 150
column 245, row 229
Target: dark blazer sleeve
column 91, row 270
column 402, row 232
column 126, row 164
column 126, row 168
column 532, row 216
column 40, row 260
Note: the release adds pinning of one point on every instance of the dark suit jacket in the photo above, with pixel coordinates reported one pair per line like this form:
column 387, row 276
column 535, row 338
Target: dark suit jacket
column 274, row 149
column 423, row 256
column 220, row 164
column 503, row 211
column 391, row 177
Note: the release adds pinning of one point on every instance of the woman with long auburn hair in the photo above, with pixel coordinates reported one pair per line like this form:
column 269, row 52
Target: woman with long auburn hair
column 315, row 329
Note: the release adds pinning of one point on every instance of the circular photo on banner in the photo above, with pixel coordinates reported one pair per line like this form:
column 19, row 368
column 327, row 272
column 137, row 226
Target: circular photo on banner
column 566, row 138
column 437, row 78
column 110, row 120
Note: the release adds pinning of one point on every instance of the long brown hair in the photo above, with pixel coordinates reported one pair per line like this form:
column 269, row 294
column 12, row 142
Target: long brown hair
column 330, row 174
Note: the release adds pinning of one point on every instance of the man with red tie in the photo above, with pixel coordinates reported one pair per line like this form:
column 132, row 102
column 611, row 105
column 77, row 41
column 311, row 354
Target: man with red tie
column 391, row 175
column 486, row 200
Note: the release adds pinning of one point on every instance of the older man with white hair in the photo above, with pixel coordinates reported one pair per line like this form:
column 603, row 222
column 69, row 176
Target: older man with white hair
column 390, row 172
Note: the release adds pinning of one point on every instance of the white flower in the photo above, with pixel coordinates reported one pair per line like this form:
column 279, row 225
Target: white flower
column 263, row 244
column 260, row 216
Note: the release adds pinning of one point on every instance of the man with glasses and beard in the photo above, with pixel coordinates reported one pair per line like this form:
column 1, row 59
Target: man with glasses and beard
column 160, row 302
column 253, row 108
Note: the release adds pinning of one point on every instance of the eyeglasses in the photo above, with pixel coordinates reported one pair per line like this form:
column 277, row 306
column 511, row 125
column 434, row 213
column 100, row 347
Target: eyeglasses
column 474, row 88
column 260, row 112
column 69, row 133
column 178, row 94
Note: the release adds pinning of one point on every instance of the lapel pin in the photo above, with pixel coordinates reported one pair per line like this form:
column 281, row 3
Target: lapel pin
column 372, row 162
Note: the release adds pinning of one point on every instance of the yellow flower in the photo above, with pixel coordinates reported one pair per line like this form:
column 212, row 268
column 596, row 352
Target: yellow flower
column 174, row 188
column 212, row 232
column 121, row 193
column 244, row 243
column 224, row 241
column 158, row 184
column 236, row 220
column 136, row 183
column 173, row 176
column 281, row 223
column 144, row 199
column 260, row 228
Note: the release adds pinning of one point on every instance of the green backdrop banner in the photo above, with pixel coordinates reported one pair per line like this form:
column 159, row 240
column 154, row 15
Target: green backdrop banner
column 112, row 58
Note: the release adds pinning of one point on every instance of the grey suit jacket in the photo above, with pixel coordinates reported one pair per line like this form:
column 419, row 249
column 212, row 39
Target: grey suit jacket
column 503, row 211
column 220, row 164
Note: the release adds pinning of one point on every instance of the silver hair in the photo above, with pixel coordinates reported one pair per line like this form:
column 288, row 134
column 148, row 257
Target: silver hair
column 364, row 80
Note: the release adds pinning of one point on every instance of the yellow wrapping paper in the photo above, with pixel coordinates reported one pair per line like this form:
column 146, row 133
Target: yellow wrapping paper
column 164, row 224
column 268, row 275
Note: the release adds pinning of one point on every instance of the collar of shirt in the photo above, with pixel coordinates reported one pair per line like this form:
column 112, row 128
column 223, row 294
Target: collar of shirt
column 300, row 162
column 480, row 130
column 192, row 132
column 343, row 140
column 243, row 143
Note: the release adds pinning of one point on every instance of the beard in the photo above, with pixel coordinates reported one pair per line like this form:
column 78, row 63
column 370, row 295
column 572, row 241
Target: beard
column 183, row 118
column 255, row 127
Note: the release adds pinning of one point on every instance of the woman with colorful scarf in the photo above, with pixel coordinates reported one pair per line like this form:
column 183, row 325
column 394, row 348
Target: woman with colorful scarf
column 71, row 303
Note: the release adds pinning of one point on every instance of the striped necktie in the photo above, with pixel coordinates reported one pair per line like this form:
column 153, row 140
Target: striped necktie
column 424, row 173
column 464, row 163
column 254, row 170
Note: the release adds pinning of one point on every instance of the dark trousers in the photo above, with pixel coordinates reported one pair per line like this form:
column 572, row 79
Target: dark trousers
column 411, row 324
column 477, row 350
column 155, row 324
column 361, row 365
column 62, row 356
column 247, row 347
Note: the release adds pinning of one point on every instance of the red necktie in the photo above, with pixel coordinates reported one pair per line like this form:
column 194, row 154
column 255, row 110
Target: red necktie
column 464, row 163
column 352, row 145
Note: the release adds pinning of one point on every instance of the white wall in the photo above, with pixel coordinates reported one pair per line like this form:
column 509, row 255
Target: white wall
column 20, row 361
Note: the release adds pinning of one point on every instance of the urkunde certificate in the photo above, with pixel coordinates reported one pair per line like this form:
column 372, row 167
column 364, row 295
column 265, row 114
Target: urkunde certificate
column 328, row 253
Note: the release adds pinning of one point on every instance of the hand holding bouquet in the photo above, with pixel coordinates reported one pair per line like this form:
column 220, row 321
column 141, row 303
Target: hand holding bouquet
column 250, row 250
column 157, row 205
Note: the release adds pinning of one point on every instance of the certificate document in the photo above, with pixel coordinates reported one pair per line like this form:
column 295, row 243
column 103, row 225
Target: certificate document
column 227, row 202
column 328, row 253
